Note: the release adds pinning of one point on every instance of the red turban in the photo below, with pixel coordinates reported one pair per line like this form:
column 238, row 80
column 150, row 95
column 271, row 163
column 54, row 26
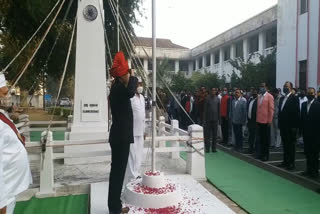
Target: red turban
column 120, row 66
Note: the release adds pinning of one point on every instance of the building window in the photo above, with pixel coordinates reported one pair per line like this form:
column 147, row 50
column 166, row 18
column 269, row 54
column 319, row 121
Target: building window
column 194, row 65
column 216, row 57
column 303, row 6
column 183, row 65
column 208, row 60
column 227, row 53
column 254, row 44
column 239, row 50
column 271, row 38
column 200, row 62
column 171, row 65
column 303, row 74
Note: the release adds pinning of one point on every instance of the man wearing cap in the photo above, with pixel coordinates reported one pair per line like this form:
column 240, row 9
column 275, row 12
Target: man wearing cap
column 136, row 149
column 121, row 132
column 15, row 175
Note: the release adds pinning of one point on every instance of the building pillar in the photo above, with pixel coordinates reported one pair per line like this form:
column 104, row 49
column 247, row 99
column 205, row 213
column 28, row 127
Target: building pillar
column 197, row 64
column 176, row 66
column 245, row 49
column 262, row 42
column 145, row 65
column 233, row 52
column 190, row 70
column 211, row 62
column 221, row 56
column 204, row 62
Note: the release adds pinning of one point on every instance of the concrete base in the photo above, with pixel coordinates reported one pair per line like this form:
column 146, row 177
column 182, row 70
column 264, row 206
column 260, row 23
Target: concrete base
column 196, row 199
column 86, row 148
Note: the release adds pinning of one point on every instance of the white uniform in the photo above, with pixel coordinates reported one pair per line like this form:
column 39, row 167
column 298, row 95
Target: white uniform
column 136, row 148
column 15, row 174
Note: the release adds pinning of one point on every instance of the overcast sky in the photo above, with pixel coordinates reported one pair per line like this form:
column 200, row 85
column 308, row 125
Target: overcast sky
column 192, row 22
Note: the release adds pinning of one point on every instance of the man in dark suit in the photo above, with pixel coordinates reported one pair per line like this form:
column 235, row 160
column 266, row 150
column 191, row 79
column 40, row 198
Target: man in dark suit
column 289, row 116
column 121, row 132
column 310, row 120
column 252, row 124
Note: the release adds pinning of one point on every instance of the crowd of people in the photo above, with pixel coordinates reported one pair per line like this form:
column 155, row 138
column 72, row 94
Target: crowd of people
column 262, row 117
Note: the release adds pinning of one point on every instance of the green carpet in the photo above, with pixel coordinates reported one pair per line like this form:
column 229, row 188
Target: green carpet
column 256, row 190
column 36, row 135
column 75, row 204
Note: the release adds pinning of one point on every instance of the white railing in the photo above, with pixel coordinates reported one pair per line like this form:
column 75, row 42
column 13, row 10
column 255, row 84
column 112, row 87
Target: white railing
column 191, row 139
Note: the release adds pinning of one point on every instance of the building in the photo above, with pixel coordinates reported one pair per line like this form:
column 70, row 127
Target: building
column 298, row 52
column 292, row 27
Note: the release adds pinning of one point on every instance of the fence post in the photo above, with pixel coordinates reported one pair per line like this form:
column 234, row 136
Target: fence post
column 161, row 131
column 195, row 155
column 46, row 166
column 174, row 132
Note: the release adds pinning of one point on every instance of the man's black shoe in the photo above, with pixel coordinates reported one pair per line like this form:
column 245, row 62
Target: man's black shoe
column 290, row 167
column 305, row 173
column 282, row 165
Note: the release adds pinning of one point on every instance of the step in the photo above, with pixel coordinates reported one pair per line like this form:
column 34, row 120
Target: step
column 99, row 198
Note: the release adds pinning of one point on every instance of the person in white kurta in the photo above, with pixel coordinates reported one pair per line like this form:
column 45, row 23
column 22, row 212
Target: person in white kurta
column 136, row 148
column 15, row 174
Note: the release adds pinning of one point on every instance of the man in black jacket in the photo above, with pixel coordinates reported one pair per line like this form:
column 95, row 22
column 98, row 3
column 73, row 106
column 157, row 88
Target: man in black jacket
column 310, row 120
column 289, row 113
column 121, row 132
column 252, row 124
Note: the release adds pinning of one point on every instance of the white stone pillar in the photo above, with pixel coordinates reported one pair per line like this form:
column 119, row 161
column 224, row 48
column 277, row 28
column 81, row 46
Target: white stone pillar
column 204, row 62
column 221, row 56
column 47, row 167
column 176, row 66
column 145, row 64
column 161, row 131
column 245, row 49
column 174, row 131
column 233, row 52
column 262, row 42
column 197, row 64
column 195, row 155
column 190, row 68
column 211, row 62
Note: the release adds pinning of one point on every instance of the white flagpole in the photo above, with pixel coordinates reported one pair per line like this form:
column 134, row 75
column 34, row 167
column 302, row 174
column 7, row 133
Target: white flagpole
column 118, row 27
column 154, row 70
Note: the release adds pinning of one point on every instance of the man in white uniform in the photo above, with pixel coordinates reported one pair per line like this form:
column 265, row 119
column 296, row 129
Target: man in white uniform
column 136, row 148
column 15, row 174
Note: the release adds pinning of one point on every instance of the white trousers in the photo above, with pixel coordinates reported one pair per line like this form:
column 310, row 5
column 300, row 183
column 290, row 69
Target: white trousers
column 135, row 159
column 275, row 134
column 10, row 207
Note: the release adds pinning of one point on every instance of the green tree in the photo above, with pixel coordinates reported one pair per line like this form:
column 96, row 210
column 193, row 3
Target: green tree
column 251, row 74
column 207, row 80
column 20, row 18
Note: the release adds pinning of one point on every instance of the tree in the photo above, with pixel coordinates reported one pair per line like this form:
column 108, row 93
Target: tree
column 251, row 74
column 19, row 19
column 207, row 80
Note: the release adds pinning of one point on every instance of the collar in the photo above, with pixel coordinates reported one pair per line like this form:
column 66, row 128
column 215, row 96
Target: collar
column 309, row 103
column 288, row 95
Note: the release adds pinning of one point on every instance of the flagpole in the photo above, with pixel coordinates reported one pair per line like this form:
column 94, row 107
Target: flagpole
column 118, row 27
column 154, row 70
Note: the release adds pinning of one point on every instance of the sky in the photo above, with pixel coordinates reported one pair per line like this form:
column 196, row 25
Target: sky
column 192, row 22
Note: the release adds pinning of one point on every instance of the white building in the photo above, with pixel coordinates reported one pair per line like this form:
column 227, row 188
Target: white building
column 298, row 49
column 292, row 26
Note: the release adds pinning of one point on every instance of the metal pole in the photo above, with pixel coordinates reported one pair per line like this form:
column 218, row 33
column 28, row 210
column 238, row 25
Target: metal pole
column 154, row 70
column 118, row 27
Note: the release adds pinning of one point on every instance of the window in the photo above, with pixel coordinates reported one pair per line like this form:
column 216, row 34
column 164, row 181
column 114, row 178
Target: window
column 239, row 49
column 303, row 74
column 149, row 65
column 194, row 65
column 303, row 6
column 200, row 62
column 208, row 60
column 254, row 44
column 271, row 38
column 171, row 65
column 183, row 65
column 216, row 57
column 227, row 53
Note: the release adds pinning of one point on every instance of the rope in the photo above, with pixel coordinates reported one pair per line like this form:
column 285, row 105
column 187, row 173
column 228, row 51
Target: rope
column 33, row 35
column 38, row 47
column 64, row 73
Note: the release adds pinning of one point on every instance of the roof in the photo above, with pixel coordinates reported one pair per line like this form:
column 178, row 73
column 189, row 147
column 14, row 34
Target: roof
column 161, row 43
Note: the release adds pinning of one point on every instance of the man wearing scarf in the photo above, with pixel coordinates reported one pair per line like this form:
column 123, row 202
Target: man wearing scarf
column 121, row 133
column 15, row 174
